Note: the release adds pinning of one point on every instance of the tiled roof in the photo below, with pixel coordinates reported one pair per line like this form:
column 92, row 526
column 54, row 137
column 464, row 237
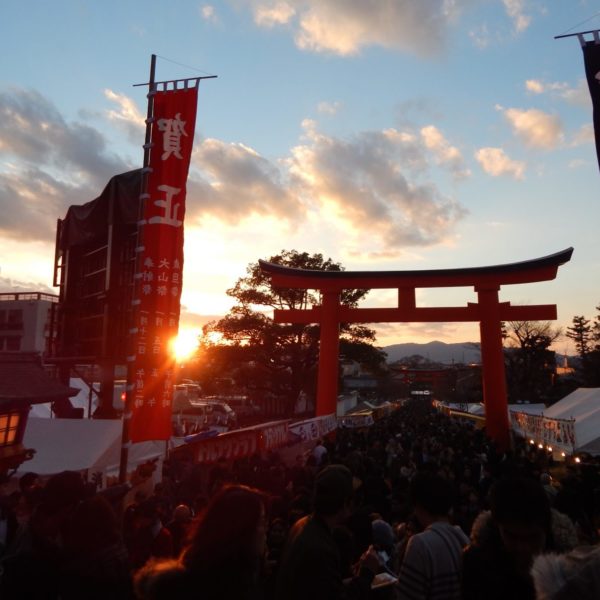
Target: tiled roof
column 22, row 378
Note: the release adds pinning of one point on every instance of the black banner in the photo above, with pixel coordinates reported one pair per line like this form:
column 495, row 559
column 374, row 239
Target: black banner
column 591, row 57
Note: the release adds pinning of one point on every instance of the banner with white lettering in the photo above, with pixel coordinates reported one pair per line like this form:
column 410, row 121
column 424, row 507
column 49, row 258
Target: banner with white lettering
column 591, row 58
column 557, row 433
column 160, row 266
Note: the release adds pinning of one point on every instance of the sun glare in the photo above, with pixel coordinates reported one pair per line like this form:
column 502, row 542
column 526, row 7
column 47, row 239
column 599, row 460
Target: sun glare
column 185, row 344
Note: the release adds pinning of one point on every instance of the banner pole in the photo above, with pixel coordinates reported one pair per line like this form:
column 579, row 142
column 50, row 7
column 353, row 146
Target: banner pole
column 130, row 391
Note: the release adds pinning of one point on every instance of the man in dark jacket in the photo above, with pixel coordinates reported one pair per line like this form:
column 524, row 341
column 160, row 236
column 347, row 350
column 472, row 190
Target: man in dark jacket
column 311, row 564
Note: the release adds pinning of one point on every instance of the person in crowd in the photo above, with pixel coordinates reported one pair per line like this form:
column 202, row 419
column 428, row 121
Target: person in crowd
column 311, row 563
column 96, row 562
column 319, row 452
column 505, row 540
column 150, row 538
column 224, row 556
column 568, row 576
column 179, row 526
column 384, row 542
column 31, row 567
column 431, row 568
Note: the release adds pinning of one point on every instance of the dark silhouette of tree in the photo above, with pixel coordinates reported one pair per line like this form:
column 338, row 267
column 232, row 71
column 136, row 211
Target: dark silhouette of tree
column 581, row 333
column 530, row 362
column 586, row 336
column 278, row 361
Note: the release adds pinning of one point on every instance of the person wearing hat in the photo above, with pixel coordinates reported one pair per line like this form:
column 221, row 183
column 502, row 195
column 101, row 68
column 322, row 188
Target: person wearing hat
column 311, row 562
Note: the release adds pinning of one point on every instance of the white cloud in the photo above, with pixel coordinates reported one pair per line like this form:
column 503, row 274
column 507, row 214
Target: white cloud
column 480, row 36
column 232, row 181
column 208, row 13
column 445, row 153
column 329, row 108
column 366, row 182
column 344, row 27
column 127, row 116
column 49, row 164
column 584, row 135
column 376, row 179
column 578, row 95
column 496, row 163
column 534, row 127
column 277, row 13
column 515, row 9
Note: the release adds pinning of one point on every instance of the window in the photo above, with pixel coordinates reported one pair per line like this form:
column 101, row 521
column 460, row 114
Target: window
column 9, row 423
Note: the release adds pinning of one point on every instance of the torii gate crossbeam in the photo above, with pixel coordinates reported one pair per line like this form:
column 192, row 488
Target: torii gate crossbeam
column 488, row 311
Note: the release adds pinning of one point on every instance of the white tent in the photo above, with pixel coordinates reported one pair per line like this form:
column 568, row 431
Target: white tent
column 583, row 405
column 92, row 445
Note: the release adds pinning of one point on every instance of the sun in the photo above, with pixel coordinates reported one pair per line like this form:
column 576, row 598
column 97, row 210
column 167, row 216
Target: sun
column 185, row 344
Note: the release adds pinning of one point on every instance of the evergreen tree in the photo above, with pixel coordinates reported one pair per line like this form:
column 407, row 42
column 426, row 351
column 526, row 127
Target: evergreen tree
column 277, row 362
column 581, row 333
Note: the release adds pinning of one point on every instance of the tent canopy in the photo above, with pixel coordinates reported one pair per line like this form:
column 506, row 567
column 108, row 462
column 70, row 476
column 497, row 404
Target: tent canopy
column 82, row 444
column 583, row 405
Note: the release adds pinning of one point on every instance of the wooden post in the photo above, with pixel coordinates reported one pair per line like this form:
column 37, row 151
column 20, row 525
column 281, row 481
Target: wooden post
column 130, row 392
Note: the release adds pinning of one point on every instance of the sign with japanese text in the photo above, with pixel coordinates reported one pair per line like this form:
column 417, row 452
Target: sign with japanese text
column 558, row 433
column 160, row 264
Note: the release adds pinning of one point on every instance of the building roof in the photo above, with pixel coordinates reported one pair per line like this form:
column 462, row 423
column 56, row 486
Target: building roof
column 24, row 380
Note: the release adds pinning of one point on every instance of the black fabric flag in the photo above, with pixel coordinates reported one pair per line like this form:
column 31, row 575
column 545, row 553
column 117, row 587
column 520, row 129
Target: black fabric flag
column 591, row 57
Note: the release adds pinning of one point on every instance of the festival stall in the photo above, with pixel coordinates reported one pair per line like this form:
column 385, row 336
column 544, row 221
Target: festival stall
column 89, row 446
column 572, row 424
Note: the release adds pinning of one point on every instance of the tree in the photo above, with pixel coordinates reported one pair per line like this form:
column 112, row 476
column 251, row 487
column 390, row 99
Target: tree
column 581, row 333
column 280, row 359
column 530, row 362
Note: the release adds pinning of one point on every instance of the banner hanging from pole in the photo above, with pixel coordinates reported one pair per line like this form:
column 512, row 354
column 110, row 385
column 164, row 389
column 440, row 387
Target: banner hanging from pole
column 591, row 58
column 160, row 263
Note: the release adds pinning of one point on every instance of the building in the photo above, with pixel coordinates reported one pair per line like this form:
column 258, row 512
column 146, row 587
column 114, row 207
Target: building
column 23, row 382
column 27, row 322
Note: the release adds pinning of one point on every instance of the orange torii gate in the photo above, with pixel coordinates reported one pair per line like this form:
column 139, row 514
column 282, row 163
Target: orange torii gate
column 488, row 310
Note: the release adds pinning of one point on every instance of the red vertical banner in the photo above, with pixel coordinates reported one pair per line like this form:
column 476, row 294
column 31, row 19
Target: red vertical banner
column 160, row 264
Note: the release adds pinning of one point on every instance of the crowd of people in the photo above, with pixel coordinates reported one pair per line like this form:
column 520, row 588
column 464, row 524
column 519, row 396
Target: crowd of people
column 416, row 506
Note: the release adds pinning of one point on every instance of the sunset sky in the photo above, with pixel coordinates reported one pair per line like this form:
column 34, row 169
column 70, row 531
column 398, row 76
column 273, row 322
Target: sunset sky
column 387, row 135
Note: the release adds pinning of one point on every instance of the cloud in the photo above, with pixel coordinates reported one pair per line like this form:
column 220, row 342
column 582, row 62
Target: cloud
column 445, row 153
column 375, row 181
column 33, row 129
column 232, row 181
column 14, row 285
column 366, row 182
column 578, row 95
column 534, row 127
column 329, row 108
column 515, row 9
column 47, row 165
column 208, row 13
column 584, row 135
column 344, row 27
column 127, row 116
column 480, row 36
column 277, row 13
column 495, row 163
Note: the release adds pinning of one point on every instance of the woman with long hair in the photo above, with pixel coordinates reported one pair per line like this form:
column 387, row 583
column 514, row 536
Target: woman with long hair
column 223, row 555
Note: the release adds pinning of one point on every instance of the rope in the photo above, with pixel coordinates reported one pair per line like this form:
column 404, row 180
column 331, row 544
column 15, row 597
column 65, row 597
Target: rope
column 187, row 66
column 580, row 24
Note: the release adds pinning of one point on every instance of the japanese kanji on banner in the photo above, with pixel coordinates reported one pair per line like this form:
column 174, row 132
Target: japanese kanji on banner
column 160, row 264
column 591, row 57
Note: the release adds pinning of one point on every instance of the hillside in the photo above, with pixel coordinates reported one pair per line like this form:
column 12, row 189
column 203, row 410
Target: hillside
column 463, row 352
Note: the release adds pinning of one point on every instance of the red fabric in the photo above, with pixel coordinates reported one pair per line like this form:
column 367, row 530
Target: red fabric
column 159, row 277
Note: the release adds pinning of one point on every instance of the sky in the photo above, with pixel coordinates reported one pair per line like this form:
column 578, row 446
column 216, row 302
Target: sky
column 385, row 134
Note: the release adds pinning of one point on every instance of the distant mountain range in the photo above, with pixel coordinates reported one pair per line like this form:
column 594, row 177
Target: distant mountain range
column 440, row 352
